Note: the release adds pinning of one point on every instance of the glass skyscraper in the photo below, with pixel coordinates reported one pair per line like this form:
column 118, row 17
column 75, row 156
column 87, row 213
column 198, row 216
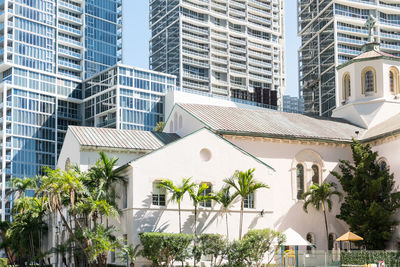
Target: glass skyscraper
column 332, row 32
column 233, row 48
column 48, row 48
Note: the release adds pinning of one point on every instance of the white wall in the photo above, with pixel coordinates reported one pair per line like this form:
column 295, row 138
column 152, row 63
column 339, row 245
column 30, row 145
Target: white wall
column 182, row 159
column 71, row 150
column 288, row 211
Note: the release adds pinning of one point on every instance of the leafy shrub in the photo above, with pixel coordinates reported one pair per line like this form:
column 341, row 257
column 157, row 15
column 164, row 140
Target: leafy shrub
column 391, row 258
column 3, row 262
column 164, row 248
column 261, row 243
column 213, row 245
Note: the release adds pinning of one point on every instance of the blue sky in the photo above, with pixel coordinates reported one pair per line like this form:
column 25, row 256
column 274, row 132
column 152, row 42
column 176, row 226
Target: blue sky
column 137, row 36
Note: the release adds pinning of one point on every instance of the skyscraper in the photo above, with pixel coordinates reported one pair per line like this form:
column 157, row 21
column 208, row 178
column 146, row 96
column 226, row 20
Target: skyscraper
column 332, row 32
column 233, row 48
column 47, row 48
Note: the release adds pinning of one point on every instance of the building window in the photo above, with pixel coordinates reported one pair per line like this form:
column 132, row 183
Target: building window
column 383, row 164
column 158, row 195
column 180, row 122
column 346, row 86
column 311, row 239
column 249, row 201
column 207, row 203
column 125, row 196
column 300, row 180
column 315, row 174
column 368, row 80
column 394, row 80
column 331, row 241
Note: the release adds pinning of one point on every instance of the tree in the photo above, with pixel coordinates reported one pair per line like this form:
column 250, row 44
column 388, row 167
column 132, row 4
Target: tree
column 262, row 243
column 18, row 186
column 159, row 127
column 320, row 196
column 128, row 252
column 178, row 192
column 225, row 198
column 198, row 194
column 244, row 184
column 370, row 200
column 102, row 177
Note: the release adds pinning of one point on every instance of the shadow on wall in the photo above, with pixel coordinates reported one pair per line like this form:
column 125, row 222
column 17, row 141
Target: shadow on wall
column 147, row 220
column 313, row 221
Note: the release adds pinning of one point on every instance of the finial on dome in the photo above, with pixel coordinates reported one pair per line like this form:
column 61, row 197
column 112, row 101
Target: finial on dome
column 371, row 44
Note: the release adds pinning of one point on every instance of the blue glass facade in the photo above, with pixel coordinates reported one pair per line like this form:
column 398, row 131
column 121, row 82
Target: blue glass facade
column 124, row 97
column 47, row 49
column 103, row 35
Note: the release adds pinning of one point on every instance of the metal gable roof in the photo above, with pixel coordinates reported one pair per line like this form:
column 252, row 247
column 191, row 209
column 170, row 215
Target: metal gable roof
column 121, row 139
column 233, row 120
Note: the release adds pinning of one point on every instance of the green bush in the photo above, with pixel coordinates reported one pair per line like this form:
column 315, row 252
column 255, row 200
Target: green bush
column 163, row 248
column 391, row 258
column 213, row 245
column 3, row 262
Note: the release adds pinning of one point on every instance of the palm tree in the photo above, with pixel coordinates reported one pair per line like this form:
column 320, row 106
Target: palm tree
column 317, row 196
column 177, row 193
column 244, row 184
column 19, row 186
column 103, row 176
column 198, row 194
column 225, row 198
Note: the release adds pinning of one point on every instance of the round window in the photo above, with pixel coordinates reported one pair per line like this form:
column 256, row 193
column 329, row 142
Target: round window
column 205, row 154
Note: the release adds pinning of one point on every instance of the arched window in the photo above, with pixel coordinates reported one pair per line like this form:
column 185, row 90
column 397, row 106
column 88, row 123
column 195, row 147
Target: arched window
column 346, row 86
column 315, row 174
column 331, row 241
column 368, row 80
column 310, row 238
column 176, row 121
column 300, row 180
column 394, row 80
column 383, row 164
column 158, row 195
column 180, row 122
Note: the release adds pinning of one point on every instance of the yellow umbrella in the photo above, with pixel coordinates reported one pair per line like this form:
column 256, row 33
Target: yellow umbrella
column 349, row 236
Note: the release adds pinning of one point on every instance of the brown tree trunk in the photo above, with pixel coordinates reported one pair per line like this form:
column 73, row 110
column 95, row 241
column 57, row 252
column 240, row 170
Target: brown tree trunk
column 326, row 224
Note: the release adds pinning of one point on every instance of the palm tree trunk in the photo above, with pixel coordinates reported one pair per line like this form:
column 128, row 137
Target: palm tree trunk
column 241, row 218
column 179, row 211
column 326, row 224
column 226, row 221
column 195, row 221
column 71, row 232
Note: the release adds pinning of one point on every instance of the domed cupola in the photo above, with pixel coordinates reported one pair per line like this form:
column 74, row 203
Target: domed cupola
column 367, row 87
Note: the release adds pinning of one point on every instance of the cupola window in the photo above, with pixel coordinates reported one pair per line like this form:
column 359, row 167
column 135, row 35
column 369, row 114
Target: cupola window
column 369, row 83
column 394, row 80
column 346, row 86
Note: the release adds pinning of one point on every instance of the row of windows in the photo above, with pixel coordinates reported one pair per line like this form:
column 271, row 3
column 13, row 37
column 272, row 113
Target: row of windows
column 34, row 132
column 368, row 77
column 159, row 197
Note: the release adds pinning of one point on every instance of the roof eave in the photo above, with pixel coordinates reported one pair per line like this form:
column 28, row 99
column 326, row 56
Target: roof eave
column 366, row 59
column 286, row 137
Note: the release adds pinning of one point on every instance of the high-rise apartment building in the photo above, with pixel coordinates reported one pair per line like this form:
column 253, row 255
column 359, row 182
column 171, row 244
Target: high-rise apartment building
column 127, row 98
column 293, row 104
column 233, row 48
column 47, row 48
column 332, row 32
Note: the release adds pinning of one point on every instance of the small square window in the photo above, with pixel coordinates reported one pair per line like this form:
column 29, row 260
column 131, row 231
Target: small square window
column 158, row 195
column 249, row 201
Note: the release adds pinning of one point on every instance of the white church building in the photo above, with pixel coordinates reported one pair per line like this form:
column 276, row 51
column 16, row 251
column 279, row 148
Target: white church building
column 288, row 151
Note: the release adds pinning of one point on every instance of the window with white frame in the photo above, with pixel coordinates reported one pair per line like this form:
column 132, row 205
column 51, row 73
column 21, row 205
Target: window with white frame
column 158, row 194
column 249, row 201
column 206, row 203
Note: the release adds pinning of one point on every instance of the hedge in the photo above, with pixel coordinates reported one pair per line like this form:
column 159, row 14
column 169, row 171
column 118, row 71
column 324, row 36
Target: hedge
column 391, row 258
